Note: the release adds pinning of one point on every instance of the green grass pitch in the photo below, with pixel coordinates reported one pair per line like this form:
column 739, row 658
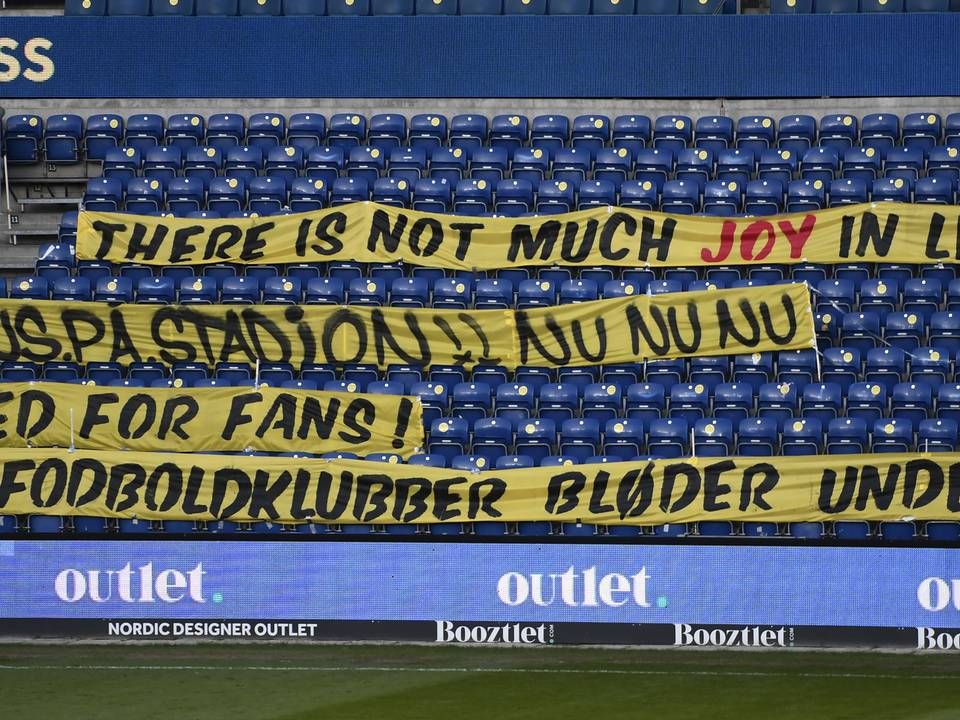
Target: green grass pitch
column 394, row 682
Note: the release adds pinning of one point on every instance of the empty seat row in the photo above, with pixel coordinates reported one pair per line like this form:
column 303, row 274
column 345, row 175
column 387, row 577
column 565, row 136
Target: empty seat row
column 534, row 163
column 266, row 195
column 397, row 7
column 68, row 137
column 932, row 532
column 804, row 7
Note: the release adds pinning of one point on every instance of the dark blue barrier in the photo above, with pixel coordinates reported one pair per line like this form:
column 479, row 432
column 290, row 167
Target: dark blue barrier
column 478, row 57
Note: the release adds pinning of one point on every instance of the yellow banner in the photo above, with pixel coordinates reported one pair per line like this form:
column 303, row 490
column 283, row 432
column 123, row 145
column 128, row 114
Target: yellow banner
column 158, row 486
column 204, row 419
column 620, row 330
column 368, row 232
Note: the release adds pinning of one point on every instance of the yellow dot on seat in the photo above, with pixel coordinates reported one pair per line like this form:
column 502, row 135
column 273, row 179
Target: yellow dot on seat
column 598, row 123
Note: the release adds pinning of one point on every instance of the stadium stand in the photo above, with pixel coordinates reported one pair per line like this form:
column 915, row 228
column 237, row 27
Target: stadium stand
column 883, row 377
column 886, row 381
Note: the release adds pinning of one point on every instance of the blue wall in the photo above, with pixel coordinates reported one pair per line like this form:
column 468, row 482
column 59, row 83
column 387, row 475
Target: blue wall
column 626, row 57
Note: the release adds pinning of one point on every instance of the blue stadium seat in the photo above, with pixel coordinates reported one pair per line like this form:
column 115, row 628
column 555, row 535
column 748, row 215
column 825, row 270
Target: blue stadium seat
column 821, row 163
column 536, row 438
column 432, row 195
column 85, row 7
column 71, row 289
column 763, row 197
column 806, row 195
column 937, row 435
column 838, row 131
column 623, row 438
column 943, row 531
column 821, row 401
column 722, row 197
column 701, row 7
column 847, row 436
column 428, row 131
column 801, row 436
column 886, row 366
column 903, row 330
column 240, row 290
column 713, row 437
column 156, row 290
column 778, row 164
column 481, row 7
column 668, row 437
column 848, row 191
column 524, row 7
column 892, row 435
column 514, row 197
column 791, row 7
column 880, row 131
column 555, row 197
column 689, row 402
column 934, row 190
column 62, row 138
column 304, row 7
column 348, row 7
column 591, row 133
column 469, row 132
column 758, row 436
column 128, row 7
column 680, row 197
column 243, row 161
column 911, row 401
column 891, row 189
column 508, row 131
